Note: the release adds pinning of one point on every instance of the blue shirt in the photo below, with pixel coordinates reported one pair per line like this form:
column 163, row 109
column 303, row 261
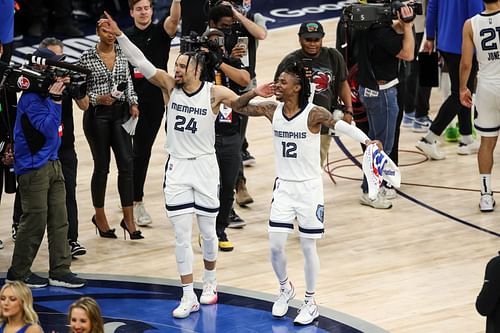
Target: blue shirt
column 447, row 18
column 45, row 118
column 7, row 21
column 22, row 330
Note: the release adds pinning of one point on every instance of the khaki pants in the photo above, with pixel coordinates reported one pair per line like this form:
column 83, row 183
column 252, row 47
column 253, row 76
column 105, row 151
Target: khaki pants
column 43, row 199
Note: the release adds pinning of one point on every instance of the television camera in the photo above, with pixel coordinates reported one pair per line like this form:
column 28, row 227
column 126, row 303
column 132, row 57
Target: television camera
column 362, row 16
column 33, row 78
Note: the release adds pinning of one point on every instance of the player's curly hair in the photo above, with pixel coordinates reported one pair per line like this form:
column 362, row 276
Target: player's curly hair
column 297, row 69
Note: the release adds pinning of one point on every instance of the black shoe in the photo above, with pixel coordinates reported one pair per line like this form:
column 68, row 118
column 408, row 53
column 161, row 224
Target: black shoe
column 105, row 234
column 247, row 159
column 32, row 281
column 234, row 221
column 133, row 235
column 68, row 280
column 77, row 249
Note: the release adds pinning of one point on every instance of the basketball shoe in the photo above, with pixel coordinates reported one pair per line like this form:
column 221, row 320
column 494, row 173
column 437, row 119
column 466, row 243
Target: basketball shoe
column 209, row 294
column 280, row 306
column 188, row 304
column 308, row 312
column 486, row 203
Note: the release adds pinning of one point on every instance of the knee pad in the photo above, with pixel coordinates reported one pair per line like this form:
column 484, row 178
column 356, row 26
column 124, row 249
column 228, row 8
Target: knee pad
column 184, row 258
column 210, row 242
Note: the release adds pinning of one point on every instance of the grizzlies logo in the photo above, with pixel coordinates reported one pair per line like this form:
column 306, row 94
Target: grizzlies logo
column 320, row 213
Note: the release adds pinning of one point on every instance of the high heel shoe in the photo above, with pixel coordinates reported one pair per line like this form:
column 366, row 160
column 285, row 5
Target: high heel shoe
column 104, row 234
column 133, row 235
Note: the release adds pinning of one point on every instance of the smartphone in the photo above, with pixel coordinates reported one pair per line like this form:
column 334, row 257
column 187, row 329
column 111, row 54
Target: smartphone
column 307, row 63
column 243, row 41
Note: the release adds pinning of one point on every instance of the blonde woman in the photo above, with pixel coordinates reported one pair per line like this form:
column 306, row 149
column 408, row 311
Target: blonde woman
column 85, row 316
column 16, row 309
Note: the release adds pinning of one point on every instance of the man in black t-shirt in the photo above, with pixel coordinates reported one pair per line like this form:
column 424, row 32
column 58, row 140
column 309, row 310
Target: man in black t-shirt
column 154, row 40
column 328, row 74
column 380, row 49
column 488, row 300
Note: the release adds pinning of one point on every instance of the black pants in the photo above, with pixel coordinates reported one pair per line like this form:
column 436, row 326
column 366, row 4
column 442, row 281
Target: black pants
column 452, row 105
column 228, row 151
column 103, row 129
column 69, row 164
column 417, row 97
column 145, row 135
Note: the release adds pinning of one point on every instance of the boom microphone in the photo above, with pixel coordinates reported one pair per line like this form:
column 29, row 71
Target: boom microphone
column 44, row 61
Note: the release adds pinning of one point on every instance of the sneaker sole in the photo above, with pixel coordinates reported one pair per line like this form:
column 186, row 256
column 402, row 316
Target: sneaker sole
column 489, row 210
column 143, row 224
column 236, row 225
column 298, row 323
column 194, row 308
column 370, row 205
column 210, row 302
column 57, row 283
column 79, row 253
column 249, row 163
column 243, row 203
column 429, row 156
column 30, row 285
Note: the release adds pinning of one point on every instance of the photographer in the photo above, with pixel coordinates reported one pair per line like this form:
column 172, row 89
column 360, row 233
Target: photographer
column 381, row 47
column 41, row 185
column 228, row 72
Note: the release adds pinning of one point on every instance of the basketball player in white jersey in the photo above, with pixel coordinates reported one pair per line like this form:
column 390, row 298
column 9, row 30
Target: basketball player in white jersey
column 481, row 34
column 298, row 189
column 191, row 181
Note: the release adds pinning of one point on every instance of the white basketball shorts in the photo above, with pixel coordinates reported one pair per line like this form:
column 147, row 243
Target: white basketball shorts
column 301, row 200
column 487, row 103
column 192, row 186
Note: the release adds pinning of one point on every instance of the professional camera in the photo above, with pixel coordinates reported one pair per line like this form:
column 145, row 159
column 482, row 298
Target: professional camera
column 194, row 42
column 32, row 78
column 369, row 12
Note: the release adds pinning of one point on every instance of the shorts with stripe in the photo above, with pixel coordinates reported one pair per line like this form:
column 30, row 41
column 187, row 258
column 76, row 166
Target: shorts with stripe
column 487, row 103
column 192, row 186
column 301, row 200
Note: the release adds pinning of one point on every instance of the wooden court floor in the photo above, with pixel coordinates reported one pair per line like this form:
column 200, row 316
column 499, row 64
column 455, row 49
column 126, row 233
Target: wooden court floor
column 407, row 269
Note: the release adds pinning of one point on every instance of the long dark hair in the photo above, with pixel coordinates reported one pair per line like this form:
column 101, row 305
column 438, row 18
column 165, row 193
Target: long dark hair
column 297, row 69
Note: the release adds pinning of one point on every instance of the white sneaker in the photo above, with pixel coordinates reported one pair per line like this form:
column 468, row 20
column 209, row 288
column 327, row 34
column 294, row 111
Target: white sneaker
column 486, row 203
column 209, row 294
column 468, row 149
column 379, row 203
column 280, row 306
column 141, row 216
column 430, row 149
column 388, row 193
column 188, row 304
column 307, row 313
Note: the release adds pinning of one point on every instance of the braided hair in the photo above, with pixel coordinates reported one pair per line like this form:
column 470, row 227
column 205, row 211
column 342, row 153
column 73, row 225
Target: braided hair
column 297, row 69
column 199, row 58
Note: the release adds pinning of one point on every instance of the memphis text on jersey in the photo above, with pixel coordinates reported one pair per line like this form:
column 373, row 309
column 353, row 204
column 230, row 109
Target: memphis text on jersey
column 189, row 109
column 290, row 135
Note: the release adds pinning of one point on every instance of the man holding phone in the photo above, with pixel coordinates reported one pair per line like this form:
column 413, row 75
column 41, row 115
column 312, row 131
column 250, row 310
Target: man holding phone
column 327, row 72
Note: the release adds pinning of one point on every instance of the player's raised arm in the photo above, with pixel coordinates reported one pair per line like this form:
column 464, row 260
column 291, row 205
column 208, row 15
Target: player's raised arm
column 321, row 116
column 156, row 76
column 242, row 106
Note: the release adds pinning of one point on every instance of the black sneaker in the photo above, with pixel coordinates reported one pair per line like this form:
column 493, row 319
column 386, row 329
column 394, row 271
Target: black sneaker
column 77, row 249
column 32, row 281
column 69, row 280
column 247, row 159
column 234, row 221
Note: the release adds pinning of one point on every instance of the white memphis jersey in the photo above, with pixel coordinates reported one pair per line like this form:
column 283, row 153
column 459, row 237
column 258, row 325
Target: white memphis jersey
column 297, row 150
column 190, row 123
column 486, row 37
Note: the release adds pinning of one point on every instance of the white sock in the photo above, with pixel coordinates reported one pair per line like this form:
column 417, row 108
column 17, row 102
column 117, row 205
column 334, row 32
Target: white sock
column 309, row 296
column 285, row 284
column 187, row 290
column 485, row 183
column 431, row 137
column 467, row 139
column 209, row 275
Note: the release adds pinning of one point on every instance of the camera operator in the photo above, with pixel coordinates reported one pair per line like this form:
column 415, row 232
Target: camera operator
column 154, row 40
column 228, row 72
column 37, row 140
column 381, row 48
column 326, row 69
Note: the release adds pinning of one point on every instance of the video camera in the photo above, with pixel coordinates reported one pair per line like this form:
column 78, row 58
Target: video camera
column 194, row 42
column 363, row 15
column 33, row 79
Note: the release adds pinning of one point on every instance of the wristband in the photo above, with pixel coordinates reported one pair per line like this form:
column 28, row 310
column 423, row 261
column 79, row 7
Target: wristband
column 56, row 98
column 349, row 113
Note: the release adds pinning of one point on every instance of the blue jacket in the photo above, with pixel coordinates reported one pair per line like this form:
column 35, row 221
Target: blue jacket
column 447, row 18
column 45, row 118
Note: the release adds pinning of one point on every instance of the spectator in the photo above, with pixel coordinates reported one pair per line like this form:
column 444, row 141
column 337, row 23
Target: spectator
column 113, row 101
column 16, row 309
column 488, row 300
column 84, row 316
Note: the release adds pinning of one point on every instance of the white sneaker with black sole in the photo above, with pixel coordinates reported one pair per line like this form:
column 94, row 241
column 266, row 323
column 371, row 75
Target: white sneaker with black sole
column 307, row 313
column 77, row 249
column 486, row 203
column 68, row 280
column 280, row 306
column 468, row 149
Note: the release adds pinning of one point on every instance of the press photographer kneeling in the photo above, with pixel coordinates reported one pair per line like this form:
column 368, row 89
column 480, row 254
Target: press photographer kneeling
column 381, row 47
column 37, row 137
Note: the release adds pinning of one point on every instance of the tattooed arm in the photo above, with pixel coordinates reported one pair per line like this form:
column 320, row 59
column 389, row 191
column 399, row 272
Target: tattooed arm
column 262, row 109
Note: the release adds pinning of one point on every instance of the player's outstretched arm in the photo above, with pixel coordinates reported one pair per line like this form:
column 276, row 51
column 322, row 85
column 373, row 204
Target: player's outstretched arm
column 156, row 76
column 242, row 106
column 466, row 64
column 321, row 116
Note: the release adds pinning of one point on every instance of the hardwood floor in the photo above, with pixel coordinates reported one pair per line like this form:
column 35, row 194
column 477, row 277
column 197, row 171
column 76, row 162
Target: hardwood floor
column 407, row 269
